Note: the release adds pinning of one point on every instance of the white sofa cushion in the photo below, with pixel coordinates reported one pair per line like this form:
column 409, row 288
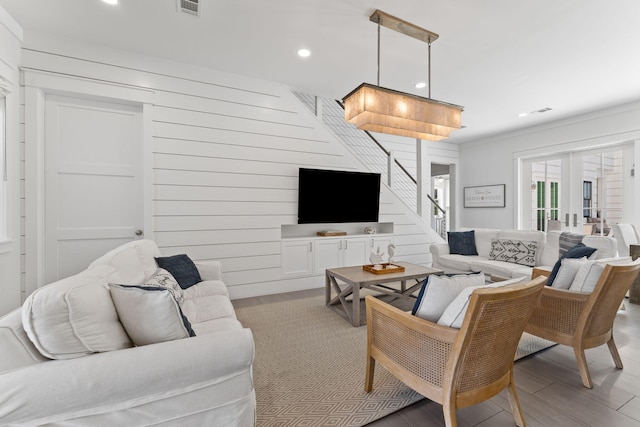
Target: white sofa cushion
column 606, row 246
column 208, row 307
column 134, row 261
column 439, row 290
column 453, row 315
column 149, row 315
column 501, row 268
column 75, row 316
column 483, row 241
column 458, row 262
column 551, row 251
column 483, row 238
column 216, row 325
column 205, row 288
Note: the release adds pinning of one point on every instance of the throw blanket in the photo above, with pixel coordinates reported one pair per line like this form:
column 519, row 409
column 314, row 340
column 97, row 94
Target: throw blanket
column 567, row 241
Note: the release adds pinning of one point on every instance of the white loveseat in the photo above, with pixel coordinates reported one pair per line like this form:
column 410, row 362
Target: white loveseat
column 546, row 253
column 65, row 359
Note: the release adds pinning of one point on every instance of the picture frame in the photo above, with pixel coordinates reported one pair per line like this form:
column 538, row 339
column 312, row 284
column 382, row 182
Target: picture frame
column 484, row 196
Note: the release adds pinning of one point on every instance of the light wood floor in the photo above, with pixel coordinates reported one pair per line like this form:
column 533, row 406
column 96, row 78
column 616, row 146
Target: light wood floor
column 548, row 383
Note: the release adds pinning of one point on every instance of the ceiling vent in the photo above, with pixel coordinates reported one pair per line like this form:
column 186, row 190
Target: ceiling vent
column 191, row 7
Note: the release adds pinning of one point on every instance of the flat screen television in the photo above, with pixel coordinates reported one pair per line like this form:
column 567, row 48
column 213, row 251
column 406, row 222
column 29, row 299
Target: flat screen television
column 332, row 196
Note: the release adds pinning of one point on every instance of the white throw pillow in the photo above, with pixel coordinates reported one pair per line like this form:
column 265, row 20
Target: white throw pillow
column 589, row 274
column 587, row 277
column 567, row 272
column 439, row 290
column 453, row 315
column 149, row 315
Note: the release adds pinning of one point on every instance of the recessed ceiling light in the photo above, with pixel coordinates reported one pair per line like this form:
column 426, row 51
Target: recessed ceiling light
column 420, row 85
column 110, row 1
column 540, row 111
column 304, row 53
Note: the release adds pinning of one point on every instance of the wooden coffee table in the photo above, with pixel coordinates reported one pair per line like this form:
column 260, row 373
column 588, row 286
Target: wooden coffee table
column 356, row 278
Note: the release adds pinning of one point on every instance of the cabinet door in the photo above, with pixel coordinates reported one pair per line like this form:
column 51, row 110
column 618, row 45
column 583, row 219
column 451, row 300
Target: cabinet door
column 297, row 258
column 329, row 254
column 356, row 251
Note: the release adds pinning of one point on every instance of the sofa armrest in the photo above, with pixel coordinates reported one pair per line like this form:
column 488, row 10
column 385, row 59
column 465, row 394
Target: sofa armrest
column 58, row 390
column 209, row 270
column 438, row 249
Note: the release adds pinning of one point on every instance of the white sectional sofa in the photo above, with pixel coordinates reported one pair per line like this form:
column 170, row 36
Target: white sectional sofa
column 67, row 356
column 546, row 252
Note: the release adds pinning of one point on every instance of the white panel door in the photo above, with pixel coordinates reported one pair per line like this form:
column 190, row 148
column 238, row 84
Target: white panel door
column 93, row 181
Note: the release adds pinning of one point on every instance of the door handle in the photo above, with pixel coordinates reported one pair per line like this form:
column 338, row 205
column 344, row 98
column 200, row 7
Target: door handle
column 566, row 219
column 139, row 232
column 575, row 220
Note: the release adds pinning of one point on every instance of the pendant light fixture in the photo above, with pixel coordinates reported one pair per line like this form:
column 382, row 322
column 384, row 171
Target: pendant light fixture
column 378, row 109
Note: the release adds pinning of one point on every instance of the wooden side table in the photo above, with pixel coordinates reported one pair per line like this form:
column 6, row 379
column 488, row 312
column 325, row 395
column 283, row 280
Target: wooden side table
column 634, row 292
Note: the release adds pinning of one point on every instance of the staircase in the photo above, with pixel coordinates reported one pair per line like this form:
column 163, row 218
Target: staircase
column 375, row 157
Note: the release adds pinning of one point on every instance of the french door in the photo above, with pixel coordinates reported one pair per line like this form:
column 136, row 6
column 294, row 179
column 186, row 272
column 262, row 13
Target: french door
column 583, row 192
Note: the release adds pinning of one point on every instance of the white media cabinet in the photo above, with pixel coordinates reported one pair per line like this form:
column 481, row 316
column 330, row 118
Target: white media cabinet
column 304, row 254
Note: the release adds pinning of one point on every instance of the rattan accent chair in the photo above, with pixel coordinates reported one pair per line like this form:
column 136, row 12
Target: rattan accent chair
column 455, row 368
column 581, row 320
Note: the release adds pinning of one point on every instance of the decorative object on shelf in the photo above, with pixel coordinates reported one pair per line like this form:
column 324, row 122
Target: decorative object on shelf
column 370, row 229
column 384, row 268
column 390, row 251
column 378, row 109
column 485, row 196
column 331, row 233
column 376, row 258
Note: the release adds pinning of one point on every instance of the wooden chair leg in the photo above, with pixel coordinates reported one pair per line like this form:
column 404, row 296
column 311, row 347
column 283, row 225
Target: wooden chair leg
column 371, row 367
column 514, row 402
column 583, row 367
column 449, row 411
column 614, row 353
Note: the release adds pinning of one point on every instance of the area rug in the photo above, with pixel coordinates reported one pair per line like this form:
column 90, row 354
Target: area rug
column 310, row 364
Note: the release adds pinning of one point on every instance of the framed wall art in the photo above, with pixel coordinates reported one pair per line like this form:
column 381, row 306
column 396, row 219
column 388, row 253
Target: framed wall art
column 484, row 196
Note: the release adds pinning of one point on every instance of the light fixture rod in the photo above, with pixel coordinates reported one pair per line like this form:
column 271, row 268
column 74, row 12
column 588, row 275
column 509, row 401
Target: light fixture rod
column 378, row 54
column 402, row 26
column 429, row 69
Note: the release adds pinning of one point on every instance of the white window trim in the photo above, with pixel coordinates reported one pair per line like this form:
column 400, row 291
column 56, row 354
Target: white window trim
column 4, row 223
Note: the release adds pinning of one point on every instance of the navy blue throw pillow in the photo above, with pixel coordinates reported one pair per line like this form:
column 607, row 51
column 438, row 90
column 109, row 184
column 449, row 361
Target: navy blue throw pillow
column 182, row 268
column 578, row 251
column 462, row 242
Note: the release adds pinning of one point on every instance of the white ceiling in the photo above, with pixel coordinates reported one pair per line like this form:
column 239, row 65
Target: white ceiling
column 497, row 58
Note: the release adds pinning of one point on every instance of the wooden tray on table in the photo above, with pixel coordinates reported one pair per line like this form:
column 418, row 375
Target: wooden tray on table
column 384, row 268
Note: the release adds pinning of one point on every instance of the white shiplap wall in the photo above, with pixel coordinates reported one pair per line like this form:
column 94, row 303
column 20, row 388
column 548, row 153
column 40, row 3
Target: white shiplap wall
column 225, row 155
